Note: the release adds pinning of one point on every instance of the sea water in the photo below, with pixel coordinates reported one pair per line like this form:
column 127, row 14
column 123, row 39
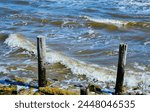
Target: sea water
column 82, row 38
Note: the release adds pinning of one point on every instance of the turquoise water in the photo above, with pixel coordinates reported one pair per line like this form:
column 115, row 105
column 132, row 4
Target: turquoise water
column 82, row 37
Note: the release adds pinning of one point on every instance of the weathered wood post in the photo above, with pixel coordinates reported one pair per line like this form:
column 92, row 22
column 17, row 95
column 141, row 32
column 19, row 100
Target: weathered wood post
column 83, row 91
column 41, row 52
column 121, row 68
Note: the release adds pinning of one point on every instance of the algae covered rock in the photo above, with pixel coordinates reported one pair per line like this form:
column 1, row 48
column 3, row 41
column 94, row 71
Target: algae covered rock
column 55, row 91
column 20, row 80
column 8, row 90
column 26, row 91
column 94, row 88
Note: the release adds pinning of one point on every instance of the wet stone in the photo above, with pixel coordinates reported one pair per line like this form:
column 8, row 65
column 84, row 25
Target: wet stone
column 55, row 91
column 8, row 90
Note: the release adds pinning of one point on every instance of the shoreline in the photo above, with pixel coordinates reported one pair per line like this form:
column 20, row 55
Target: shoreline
column 14, row 85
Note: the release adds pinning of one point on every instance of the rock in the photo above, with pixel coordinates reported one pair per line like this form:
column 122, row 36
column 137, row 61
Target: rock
column 8, row 90
column 38, row 93
column 94, row 88
column 26, row 91
column 55, row 91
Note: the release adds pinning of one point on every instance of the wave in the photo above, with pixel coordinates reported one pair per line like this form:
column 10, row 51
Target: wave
column 18, row 40
column 76, row 66
column 146, row 43
column 107, row 21
column 115, row 23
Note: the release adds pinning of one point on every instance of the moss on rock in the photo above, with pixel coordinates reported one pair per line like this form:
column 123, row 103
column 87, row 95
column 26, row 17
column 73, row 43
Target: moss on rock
column 26, row 91
column 19, row 79
column 55, row 91
column 8, row 90
column 94, row 88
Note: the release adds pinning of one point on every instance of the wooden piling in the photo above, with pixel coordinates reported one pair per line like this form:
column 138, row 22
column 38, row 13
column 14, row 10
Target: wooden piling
column 41, row 52
column 121, row 69
column 83, row 91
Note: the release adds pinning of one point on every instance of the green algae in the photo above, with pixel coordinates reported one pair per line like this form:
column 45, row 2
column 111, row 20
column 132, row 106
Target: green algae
column 55, row 91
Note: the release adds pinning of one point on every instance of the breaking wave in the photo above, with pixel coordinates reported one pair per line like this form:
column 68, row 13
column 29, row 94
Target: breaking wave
column 116, row 23
column 76, row 66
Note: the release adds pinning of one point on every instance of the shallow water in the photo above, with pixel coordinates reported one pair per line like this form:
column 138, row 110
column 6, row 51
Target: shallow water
column 82, row 38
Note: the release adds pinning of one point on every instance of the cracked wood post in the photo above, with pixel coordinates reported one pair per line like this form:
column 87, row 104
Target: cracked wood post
column 41, row 52
column 83, row 91
column 121, row 68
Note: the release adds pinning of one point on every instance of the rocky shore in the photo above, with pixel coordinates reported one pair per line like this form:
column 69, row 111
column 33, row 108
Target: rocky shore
column 14, row 85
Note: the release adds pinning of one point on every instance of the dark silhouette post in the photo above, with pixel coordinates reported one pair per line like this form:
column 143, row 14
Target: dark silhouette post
column 41, row 52
column 121, row 69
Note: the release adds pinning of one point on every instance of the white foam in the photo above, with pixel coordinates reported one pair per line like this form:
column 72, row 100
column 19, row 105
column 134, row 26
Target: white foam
column 78, row 67
column 3, row 69
column 148, row 42
column 18, row 40
column 134, row 6
column 118, row 23
column 137, row 2
column 136, row 65
column 131, row 81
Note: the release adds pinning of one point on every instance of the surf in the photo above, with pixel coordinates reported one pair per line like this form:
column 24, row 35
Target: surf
column 92, row 71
